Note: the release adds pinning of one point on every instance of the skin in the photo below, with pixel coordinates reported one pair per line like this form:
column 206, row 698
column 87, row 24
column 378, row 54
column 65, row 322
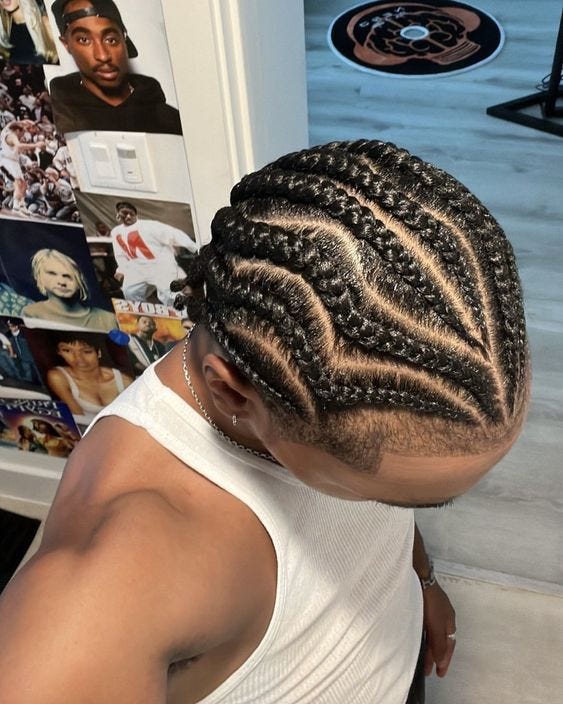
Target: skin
column 96, row 383
column 58, row 281
column 126, row 216
column 137, row 549
column 79, row 357
column 146, row 327
column 438, row 615
column 102, row 230
column 13, row 7
column 98, row 48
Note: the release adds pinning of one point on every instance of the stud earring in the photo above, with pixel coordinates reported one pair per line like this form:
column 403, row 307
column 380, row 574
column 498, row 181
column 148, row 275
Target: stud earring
column 234, row 419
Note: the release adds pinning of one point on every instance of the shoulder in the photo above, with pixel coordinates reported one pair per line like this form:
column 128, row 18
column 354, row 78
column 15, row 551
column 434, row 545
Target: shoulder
column 34, row 309
column 136, row 593
column 165, row 117
column 117, row 460
column 103, row 316
column 139, row 80
column 62, row 83
column 143, row 518
column 56, row 373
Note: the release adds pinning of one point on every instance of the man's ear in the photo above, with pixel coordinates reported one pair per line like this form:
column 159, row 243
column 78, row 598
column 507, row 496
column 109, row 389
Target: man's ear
column 64, row 43
column 230, row 392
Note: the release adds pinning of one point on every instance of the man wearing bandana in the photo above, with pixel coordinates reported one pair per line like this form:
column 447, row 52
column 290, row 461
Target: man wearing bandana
column 103, row 94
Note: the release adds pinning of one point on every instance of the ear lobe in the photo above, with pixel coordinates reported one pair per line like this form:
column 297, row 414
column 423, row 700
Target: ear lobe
column 231, row 393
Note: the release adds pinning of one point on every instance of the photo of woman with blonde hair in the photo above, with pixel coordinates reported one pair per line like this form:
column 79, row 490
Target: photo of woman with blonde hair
column 25, row 33
column 58, row 277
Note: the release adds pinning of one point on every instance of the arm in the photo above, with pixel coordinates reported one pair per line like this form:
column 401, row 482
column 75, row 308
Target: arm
column 59, row 386
column 13, row 141
column 98, row 639
column 113, row 606
column 178, row 238
column 125, row 584
column 439, row 615
column 7, row 345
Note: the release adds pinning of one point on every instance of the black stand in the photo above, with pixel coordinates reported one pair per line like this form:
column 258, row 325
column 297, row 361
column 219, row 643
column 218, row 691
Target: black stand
column 547, row 100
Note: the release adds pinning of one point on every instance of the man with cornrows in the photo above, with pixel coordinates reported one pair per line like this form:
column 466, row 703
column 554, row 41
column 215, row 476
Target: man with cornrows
column 237, row 527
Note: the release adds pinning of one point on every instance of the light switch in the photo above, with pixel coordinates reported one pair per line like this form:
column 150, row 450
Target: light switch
column 100, row 161
column 129, row 163
column 120, row 161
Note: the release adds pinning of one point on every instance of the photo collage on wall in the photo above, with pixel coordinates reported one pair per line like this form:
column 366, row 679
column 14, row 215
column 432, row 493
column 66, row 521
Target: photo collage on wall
column 95, row 212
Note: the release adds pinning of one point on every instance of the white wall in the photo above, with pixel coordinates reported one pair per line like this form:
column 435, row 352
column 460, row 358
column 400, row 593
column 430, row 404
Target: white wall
column 239, row 69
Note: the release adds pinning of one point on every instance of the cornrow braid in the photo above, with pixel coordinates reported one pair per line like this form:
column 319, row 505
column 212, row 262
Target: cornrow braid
column 363, row 325
column 341, row 205
column 289, row 318
column 353, row 275
column 438, row 188
column 351, row 171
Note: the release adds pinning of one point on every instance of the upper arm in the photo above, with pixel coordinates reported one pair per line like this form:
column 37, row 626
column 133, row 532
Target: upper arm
column 99, row 617
column 69, row 637
column 59, row 386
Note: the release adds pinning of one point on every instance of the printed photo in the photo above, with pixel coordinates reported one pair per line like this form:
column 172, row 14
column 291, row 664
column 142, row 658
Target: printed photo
column 51, row 265
column 32, row 425
column 131, row 164
column 152, row 241
column 84, row 370
column 105, row 266
column 18, row 371
column 108, row 89
column 36, row 171
column 25, row 33
column 11, row 303
column 152, row 330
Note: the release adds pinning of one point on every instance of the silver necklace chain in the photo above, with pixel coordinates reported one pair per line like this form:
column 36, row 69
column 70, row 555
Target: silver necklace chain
column 216, row 428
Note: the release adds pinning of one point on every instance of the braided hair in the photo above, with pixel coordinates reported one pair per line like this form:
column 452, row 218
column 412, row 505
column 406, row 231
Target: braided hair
column 353, row 276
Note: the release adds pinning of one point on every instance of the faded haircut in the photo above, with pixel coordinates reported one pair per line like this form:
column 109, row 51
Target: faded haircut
column 371, row 299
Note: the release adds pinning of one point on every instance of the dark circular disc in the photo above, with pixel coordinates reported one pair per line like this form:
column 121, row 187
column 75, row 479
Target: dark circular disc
column 415, row 39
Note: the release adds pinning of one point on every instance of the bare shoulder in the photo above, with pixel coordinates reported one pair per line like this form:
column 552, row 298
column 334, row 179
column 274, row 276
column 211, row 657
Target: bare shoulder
column 120, row 482
column 117, row 608
column 134, row 573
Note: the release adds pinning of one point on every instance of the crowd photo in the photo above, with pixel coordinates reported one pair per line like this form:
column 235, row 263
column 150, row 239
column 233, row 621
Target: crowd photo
column 36, row 172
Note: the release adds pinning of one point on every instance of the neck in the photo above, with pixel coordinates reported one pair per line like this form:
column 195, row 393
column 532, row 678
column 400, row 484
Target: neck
column 65, row 305
column 89, row 375
column 17, row 15
column 192, row 353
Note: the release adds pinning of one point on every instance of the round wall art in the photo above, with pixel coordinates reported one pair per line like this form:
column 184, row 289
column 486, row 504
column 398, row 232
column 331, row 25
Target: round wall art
column 415, row 39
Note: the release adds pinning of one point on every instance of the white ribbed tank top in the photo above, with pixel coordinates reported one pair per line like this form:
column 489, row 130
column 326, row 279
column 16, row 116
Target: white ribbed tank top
column 347, row 620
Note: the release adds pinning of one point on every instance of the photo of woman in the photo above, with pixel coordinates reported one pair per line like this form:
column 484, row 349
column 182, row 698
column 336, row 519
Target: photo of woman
column 58, row 277
column 83, row 381
column 25, row 33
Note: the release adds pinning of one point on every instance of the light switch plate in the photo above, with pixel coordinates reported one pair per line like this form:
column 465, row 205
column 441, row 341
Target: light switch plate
column 119, row 160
